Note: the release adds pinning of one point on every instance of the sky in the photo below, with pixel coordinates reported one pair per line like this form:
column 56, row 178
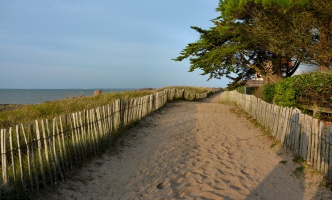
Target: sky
column 57, row 44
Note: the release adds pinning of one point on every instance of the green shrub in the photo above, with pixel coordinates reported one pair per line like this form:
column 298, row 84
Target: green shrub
column 285, row 93
column 268, row 93
column 241, row 90
column 314, row 88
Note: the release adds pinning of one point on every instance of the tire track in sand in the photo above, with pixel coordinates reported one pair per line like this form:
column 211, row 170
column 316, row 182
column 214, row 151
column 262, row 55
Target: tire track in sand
column 191, row 150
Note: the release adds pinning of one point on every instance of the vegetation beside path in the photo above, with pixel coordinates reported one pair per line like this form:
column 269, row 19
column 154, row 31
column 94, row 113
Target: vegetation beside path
column 10, row 115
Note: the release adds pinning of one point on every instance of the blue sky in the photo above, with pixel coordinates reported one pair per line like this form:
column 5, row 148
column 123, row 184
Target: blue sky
column 100, row 43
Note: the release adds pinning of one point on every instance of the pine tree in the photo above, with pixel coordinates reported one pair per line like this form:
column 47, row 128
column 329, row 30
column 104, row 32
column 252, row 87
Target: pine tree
column 250, row 32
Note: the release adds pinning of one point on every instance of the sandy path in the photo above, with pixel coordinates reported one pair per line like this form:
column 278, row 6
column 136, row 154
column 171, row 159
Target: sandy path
column 192, row 150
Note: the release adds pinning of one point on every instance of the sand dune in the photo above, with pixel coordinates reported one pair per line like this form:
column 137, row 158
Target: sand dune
column 193, row 150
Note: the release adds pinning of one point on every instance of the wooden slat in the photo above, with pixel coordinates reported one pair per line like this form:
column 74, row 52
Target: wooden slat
column 282, row 125
column 287, row 126
column 33, row 157
column 50, row 145
column 310, row 137
column 315, row 143
column 304, row 137
column 27, row 144
column 276, row 120
column 324, row 146
column 46, row 150
column 326, row 153
column 91, row 131
column 11, row 145
column 68, row 138
column 64, row 148
column 40, row 154
column 55, row 153
column 95, row 129
column 4, row 157
column 297, row 135
column 329, row 132
column 59, row 145
column 20, row 157
column 81, row 121
column 73, row 138
column 78, row 137
column 319, row 146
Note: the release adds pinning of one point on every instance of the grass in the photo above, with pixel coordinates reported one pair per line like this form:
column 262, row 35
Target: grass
column 298, row 159
column 274, row 144
column 283, row 162
column 28, row 113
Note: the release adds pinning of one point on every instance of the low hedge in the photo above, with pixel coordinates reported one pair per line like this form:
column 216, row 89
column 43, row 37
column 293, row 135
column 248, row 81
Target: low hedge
column 268, row 92
column 313, row 88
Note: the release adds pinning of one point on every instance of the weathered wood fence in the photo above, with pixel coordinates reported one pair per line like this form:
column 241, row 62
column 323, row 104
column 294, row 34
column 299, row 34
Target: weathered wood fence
column 43, row 153
column 309, row 138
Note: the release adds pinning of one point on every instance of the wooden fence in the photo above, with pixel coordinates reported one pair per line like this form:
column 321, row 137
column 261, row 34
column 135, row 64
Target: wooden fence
column 43, row 153
column 309, row 138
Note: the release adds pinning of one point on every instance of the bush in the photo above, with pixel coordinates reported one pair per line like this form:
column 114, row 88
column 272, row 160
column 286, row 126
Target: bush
column 268, row 93
column 285, row 92
column 241, row 90
column 314, row 88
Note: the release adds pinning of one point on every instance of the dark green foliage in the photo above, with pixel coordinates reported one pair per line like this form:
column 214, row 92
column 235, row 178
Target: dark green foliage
column 314, row 88
column 250, row 32
column 229, row 7
column 268, row 93
column 251, row 90
column 230, row 48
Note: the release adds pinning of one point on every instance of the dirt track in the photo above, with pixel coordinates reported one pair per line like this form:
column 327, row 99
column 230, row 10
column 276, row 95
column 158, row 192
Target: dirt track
column 193, row 150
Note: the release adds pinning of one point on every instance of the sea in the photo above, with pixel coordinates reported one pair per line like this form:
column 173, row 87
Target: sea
column 35, row 96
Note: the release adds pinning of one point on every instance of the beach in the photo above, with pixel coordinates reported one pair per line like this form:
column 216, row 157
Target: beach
column 193, row 150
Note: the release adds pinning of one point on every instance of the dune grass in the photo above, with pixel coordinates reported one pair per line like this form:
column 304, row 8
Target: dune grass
column 28, row 113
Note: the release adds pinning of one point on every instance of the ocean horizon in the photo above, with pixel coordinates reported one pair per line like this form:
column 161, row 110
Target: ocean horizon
column 35, row 96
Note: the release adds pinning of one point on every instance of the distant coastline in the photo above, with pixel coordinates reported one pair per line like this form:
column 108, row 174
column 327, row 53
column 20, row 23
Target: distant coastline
column 35, row 96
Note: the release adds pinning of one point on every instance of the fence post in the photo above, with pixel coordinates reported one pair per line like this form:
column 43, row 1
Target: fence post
column 46, row 147
column 55, row 133
column 28, row 155
column 4, row 157
column 326, row 153
column 12, row 153
column 41, row 161
column 329, row 133
column 18, row 135
column 65, row 158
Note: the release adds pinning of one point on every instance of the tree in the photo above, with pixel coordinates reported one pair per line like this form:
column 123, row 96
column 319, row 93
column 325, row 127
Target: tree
column 250, row 32
column 304, row 31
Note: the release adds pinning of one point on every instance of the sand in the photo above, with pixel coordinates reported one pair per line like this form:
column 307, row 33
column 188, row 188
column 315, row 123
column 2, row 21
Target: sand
column 193, row 150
